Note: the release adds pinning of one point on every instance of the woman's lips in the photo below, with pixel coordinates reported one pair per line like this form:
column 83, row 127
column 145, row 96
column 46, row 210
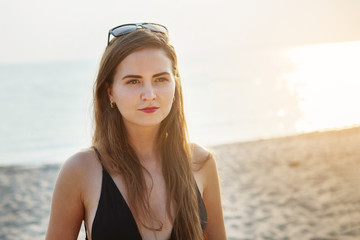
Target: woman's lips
column 149, row 109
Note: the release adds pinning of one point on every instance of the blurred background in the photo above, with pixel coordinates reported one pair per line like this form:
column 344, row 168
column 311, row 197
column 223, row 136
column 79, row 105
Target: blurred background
column 250, row 69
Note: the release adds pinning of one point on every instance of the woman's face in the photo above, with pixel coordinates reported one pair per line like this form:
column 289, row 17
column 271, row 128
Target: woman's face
column 143, row 87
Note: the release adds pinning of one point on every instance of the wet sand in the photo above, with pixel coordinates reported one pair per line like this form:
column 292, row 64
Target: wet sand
column 300, row 187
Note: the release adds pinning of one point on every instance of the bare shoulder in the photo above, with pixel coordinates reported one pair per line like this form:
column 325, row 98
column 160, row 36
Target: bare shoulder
column 204, row 166
column 81, row 163
column 208, row 182
column 200, row 154
column 80, row 168
column 72, row 187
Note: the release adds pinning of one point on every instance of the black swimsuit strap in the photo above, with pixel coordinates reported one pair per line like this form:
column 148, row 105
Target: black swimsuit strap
column 86, row 236
column 98, row 155
column 101, row 162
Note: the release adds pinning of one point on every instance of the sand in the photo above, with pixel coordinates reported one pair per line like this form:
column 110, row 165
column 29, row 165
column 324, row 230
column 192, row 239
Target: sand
column 303, row 187
column 300, row 187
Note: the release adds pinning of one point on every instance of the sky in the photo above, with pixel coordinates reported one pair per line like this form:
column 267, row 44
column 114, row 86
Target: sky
column 43, row 30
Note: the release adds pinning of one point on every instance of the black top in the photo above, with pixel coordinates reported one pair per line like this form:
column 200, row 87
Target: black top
column 113, row 218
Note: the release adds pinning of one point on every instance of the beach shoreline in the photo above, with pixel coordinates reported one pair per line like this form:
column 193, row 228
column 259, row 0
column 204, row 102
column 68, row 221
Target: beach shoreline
column 296, row 187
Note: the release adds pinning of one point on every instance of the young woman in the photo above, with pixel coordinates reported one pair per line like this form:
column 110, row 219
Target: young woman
column 142, row 179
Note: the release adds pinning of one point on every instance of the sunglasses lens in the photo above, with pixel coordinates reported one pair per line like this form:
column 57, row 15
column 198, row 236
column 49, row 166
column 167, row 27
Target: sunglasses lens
column 128, row 28
column 155, row 27
column 123, row 30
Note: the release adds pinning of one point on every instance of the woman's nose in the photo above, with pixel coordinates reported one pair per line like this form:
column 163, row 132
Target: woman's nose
column 148, row 93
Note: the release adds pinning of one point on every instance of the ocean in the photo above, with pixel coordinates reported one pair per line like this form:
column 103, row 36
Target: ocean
column 44, row 111
column 46, row 107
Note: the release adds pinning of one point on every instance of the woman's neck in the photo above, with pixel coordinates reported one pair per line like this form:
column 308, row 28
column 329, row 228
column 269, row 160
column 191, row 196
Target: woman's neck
column 143, row 140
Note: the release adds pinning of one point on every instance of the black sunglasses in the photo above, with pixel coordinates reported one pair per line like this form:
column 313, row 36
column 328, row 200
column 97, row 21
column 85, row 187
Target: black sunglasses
column 131, row 27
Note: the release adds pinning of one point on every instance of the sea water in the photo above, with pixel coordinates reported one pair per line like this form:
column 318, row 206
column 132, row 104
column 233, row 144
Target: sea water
column 44, row 111
column 46, row 107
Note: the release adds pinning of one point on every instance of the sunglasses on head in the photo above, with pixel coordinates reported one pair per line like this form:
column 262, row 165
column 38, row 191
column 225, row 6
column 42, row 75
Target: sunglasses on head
column 131, row 27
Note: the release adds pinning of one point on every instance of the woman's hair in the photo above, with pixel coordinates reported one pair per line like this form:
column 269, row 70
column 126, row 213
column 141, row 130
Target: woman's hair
column 110, row 137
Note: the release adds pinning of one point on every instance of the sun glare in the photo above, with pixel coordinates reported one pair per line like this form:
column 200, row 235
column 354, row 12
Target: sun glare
column 327, row 83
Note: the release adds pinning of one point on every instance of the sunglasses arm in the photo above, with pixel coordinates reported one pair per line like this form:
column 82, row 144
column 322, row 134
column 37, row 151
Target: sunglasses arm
column 108, row 38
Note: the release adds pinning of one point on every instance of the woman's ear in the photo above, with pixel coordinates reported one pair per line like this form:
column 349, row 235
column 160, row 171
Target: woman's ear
column 108, row 89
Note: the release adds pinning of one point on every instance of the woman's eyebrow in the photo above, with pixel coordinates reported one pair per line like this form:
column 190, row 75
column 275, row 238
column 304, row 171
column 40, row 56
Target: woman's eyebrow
column 159, row 74
column 131, row 76
column 138, row 76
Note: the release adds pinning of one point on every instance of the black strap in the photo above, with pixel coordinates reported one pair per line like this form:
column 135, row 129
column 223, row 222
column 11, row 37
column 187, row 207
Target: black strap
column 86, row 236
column 99, row 156
column 101, row 162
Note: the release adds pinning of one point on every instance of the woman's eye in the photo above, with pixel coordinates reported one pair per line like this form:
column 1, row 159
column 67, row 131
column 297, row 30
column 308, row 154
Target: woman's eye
column 161, row 79
column 132, row 82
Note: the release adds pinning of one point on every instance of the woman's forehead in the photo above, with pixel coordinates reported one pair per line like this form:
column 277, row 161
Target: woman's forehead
column 146, row 60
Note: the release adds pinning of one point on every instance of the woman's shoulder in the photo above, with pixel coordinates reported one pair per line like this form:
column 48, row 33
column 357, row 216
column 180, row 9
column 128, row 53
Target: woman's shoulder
column 201, row 155
column 81, row 164
column 78, row 180
column 204, row 167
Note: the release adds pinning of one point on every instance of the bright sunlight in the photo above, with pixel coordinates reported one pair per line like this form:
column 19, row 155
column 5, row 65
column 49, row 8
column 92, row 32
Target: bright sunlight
column 327, row 83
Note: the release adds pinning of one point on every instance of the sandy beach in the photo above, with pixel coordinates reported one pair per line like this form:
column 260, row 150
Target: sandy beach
column 299, row 187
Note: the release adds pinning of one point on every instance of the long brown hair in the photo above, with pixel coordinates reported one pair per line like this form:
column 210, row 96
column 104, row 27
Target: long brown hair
column 110, row 137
